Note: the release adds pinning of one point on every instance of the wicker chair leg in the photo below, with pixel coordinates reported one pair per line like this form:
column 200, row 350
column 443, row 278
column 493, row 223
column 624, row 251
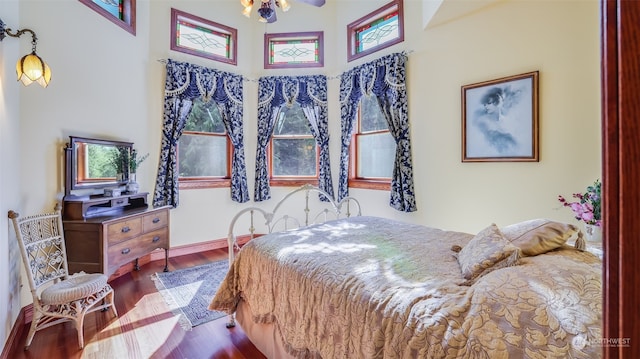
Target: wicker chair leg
column 79, row 328
column 112, row 300
column 33, row 328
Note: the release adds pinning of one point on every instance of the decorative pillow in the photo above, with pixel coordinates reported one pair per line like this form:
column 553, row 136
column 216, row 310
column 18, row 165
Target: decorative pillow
column 538, row 236
column 486, row 249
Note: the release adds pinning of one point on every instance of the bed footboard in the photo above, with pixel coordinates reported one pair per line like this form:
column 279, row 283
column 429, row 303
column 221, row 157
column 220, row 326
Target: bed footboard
column 275, row 220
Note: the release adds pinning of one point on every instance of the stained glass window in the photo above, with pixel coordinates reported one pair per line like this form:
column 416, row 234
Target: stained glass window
column 120, row 12
column 112, row 7
column 200, row 37
column 380, row 31
column 376, row 31
column 302, row 49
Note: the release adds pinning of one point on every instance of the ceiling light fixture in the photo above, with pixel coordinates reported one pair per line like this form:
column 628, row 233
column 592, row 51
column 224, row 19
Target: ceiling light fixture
column 267, row 9
column 30, row 68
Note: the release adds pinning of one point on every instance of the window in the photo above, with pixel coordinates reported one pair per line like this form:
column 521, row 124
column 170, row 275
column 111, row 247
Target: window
column 204, row 150
column 120, row 12
column 293, row 50
column 375, row 31
column 373, row 148
column 294, row 154
column 200, row 37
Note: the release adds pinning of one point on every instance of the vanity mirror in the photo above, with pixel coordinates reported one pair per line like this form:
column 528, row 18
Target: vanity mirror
column 106, row 228
column 95, row 163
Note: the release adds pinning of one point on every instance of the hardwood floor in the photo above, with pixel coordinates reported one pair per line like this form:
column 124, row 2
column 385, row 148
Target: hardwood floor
column 145, row 328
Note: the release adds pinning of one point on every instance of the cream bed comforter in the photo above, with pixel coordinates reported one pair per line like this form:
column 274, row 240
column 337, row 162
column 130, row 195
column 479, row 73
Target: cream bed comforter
column 368, row 287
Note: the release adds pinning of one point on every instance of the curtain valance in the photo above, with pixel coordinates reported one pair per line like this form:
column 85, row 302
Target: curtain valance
column 274, row 92
column 386, row 79
column 183, row 84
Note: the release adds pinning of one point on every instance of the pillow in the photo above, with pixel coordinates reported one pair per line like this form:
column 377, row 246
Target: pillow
column 538, row 236
column 486, row 249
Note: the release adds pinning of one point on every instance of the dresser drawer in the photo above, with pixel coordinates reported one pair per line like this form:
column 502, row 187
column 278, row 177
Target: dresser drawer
column 119, row 202
column 156, row 239
column 123, row 230
column 155, row 220
column 131, row 249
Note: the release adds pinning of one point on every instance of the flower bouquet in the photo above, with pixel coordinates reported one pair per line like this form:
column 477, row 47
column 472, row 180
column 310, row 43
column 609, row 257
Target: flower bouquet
column 587, row 209
column 587, row 205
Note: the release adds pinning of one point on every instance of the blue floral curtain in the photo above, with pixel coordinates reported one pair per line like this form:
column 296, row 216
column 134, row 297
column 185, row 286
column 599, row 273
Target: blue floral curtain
column 184, row 83
column 274, row 93
column 386, row 79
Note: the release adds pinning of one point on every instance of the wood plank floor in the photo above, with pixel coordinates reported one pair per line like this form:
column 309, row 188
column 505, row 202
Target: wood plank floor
column 145, row 328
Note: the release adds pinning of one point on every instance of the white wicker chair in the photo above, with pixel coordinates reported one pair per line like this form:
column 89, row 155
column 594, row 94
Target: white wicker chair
column 57, row 296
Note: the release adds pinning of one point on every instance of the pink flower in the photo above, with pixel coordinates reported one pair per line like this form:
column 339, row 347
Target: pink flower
column 587, row 207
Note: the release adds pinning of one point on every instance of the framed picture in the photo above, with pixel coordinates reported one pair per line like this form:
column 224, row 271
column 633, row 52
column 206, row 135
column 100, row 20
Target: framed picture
column 500, row 120
column 294, row 50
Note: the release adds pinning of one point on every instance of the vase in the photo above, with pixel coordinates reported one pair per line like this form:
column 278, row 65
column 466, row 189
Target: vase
column 593, row 233
column 132, row 186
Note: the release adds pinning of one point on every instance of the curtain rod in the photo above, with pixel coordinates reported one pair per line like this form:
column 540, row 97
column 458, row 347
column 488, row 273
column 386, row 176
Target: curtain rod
column 336, row 77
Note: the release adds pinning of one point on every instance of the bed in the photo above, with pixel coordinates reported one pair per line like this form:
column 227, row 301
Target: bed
column 366, row 287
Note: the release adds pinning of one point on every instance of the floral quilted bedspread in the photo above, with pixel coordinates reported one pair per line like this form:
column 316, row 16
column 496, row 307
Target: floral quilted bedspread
column 368, row 287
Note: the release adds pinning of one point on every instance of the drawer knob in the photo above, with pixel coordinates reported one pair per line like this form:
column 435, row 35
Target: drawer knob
column 126, row 251
column 125, row 229
column 155, row 239
column 119, row 202
column 156, row 220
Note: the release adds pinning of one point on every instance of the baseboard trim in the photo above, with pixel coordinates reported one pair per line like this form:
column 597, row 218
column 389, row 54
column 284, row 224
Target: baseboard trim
column 11, row 346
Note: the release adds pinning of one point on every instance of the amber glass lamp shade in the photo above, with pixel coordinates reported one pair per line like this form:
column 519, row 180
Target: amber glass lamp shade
column 31, row 68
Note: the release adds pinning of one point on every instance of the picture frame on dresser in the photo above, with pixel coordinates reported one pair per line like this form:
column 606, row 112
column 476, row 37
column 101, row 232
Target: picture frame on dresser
column 500, row 120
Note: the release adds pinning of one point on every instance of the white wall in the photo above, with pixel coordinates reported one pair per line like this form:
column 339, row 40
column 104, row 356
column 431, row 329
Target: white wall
column 108, row 83
column 10, row 52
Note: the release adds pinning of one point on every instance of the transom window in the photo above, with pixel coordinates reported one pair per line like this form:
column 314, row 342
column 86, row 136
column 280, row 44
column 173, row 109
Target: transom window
column 376, row 31
column 119, row 12
column 194, row 35
column 291, row 50
column 294, row 154
column 373, row 148
column 204, row 149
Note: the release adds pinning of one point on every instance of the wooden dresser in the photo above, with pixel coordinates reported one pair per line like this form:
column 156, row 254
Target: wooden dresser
column 104, row 233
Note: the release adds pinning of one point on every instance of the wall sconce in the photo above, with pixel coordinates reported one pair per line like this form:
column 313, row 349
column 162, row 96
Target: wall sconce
column 30, row 68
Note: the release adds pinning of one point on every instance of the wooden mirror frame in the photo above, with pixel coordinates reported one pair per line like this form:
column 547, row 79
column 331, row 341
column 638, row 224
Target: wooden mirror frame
column 72, row 164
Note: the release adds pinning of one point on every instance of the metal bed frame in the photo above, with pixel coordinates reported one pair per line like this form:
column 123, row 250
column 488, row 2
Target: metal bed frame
column 329, row 210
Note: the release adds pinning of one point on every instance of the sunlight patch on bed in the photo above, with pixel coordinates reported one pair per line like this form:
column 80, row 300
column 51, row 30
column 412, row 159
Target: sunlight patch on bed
column 323, row 247
column 333, row 230
column 564, row 307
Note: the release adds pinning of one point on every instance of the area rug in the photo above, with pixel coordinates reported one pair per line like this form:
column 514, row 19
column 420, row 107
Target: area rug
column 189, row 291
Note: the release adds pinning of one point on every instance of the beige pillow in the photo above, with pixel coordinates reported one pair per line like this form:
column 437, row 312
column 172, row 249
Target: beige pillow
column 486, row 249
column 538, row 236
